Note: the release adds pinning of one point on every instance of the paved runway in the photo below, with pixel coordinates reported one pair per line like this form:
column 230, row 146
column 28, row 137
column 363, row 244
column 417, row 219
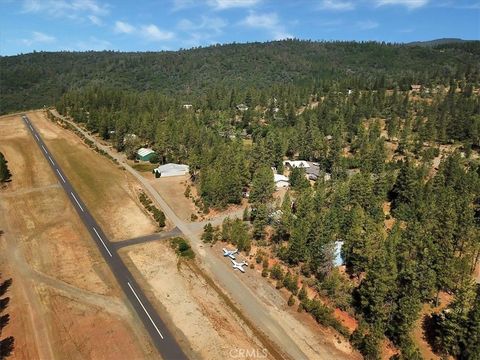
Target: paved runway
column 161, row 337
column 148, row 238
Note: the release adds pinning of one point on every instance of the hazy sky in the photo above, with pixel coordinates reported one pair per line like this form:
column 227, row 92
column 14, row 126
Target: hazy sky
column 139, row 25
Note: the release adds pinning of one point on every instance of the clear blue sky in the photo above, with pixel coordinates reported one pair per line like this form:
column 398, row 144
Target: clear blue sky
column 139, row 25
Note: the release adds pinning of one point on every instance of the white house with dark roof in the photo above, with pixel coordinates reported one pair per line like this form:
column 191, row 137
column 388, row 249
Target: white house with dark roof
column 312, row 169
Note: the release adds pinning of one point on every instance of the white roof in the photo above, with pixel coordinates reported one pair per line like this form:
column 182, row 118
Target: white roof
column 279, row 177
column 144, row 151
column 297, row 163
column 170, row 167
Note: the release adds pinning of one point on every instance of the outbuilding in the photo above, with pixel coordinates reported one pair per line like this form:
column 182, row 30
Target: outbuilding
column 416, row 87
column 338, row 261
column 281, row 181
column 171, row 169
column 145, row 154
column 242, row 107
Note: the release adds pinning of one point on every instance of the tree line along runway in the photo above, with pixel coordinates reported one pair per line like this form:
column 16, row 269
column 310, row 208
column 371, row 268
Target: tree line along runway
column 161, row 337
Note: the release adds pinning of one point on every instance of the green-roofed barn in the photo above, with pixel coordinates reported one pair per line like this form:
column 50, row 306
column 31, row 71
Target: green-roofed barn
column 145, row 154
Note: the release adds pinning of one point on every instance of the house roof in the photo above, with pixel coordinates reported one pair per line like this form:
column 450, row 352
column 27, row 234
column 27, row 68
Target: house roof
column 242, row 107
column 313, row 169
column 279, row 177
column 171, row 167
column 297, row 163
column 144, row 152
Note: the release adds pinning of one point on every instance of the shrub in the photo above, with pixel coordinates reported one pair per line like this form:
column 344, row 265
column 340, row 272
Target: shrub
column 182, row 247
column 158, row 215
column 302, row 294
column 276, row 272
column 154, row 159
column 207, row 235
column 290, row 282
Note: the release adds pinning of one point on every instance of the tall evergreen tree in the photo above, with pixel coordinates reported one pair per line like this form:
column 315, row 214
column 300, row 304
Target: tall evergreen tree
column 5, row 174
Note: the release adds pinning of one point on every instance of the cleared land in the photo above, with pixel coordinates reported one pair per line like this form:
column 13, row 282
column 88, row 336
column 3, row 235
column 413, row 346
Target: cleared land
column 213, row 330
column 172, row 189
column 64, row 301
column 109, row 192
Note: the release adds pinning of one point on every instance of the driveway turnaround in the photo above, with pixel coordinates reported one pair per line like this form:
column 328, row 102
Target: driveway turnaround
column 161, row 337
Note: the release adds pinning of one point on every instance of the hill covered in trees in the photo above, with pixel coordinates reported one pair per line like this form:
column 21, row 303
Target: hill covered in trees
column 403, row 188
column 37, row 79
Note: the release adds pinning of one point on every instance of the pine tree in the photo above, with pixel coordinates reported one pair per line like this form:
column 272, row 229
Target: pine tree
column 471, row 344
column 262, row 185
column 6, row 344
column 260, row 220
column 406, row 192
column 297, row 249
column 207, row 235
column 284, row 226
column 378, row 291
column 5, row 174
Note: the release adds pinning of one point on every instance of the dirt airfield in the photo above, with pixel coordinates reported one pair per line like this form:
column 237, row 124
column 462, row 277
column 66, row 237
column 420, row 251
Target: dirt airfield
column 62, row 290
column 65, row 302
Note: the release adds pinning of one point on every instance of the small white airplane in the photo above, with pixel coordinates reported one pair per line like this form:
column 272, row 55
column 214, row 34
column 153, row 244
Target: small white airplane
column 230, row 253
column 239, row 266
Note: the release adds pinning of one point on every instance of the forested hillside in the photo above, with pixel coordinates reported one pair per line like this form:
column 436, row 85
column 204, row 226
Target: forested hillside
column 37, row 79
column 399, row 169
column 402, row 192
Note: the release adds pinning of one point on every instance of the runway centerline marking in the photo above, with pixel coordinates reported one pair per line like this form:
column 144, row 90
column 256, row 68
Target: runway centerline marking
column 104, row 245
column 37, row 137
column 63, row 179
column 49, row 158
column 146, row 312
column 43, row 147
column 75, row 198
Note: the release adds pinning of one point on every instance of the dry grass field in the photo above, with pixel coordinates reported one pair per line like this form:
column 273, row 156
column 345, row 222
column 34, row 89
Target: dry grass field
column 64, row 300
column 109, row 192
column 213, row 329
column 172, row 189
